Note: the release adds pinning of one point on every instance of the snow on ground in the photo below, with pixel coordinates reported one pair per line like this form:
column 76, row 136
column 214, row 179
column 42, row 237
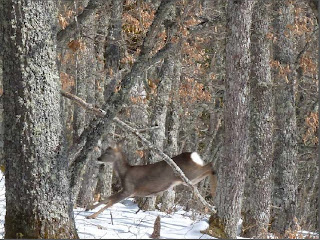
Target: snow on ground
column 124, row 221
column 2, row 205
column 121, row 221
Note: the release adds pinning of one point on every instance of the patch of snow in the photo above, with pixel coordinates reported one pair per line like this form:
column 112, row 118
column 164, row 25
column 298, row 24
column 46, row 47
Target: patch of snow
column 122, row 221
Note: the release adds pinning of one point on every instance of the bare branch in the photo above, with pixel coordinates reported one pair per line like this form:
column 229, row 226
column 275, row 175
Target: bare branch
column 306, row 46
column 90, row 9
column 162, row 10
column 88, row 106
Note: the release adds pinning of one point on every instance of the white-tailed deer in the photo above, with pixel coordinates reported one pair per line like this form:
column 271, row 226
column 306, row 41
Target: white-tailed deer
column 151, row 179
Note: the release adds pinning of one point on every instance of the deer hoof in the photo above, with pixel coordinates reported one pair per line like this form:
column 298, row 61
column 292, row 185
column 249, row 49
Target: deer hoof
column 91, row 216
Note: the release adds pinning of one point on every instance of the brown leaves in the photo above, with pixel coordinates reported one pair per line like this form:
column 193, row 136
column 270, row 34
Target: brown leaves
column 192, row 91
column 63, row 21
column 67, row 81
column 76, row 45
column 312, row 123
column 65, row 17
column 140, row 153
column 283, row 69
column 308, row 65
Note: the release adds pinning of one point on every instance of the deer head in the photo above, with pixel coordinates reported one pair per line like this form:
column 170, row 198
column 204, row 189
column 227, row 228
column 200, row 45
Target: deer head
column 112, row 154
column 151, row 179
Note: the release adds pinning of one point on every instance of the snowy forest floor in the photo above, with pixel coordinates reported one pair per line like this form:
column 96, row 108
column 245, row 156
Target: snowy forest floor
column 124, row 221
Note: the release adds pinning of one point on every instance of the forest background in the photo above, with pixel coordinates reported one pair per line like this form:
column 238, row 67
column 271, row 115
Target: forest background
column 235, row 81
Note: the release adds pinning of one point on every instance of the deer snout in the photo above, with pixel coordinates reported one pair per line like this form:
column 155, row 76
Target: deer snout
column 106, row 158
column 101, row 160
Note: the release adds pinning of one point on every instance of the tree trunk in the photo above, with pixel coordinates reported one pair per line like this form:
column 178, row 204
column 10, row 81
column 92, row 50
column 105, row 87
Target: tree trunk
column 103, row 188
column 112, row 60
column 231, row 171
column 215, row 9
column 285, row 139
column 257, row 193
column 173, row 119
column 38, row 201
column 92, row 134
column 159, row 115
column 85, row 89
column 112, row 55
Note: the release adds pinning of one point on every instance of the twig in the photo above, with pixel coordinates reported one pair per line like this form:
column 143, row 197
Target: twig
column 306, row 46
column 111, row 217
column 89, row 107
column 144, row 203
column 134, row 131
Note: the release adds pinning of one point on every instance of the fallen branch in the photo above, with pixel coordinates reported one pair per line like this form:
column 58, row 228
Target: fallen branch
column 99, row 112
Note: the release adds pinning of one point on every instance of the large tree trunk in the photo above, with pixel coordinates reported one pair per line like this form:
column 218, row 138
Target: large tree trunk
column 231, row 170
column 38, row 201
column 285, row 151
column 257, row 193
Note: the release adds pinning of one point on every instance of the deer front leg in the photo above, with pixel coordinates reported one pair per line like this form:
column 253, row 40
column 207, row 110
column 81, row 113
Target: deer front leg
column 109, row 202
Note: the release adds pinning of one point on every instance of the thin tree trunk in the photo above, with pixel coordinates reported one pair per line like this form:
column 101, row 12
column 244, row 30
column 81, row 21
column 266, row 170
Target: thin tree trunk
column 215, row 9
column 84, row 70
column 231, row 170
column 112, row 60
column 285, row 139
column 103, row 188
column 111, row 55
column 257, row 193
column 159, row 115
column 173, row 118
column 38, row 203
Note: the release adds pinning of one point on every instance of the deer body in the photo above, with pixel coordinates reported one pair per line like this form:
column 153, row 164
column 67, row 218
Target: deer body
column 149, row 180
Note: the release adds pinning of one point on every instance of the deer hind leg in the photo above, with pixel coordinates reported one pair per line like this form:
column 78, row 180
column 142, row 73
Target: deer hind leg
column 109, row 202
column 97, row 205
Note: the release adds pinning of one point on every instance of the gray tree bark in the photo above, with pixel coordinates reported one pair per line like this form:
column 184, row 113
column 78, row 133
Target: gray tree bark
column 111, row 55
column 285, row 139
column 159, row 115
column 231, row 172
column 215, row 9
column 85, row 89
column 38, row 201
column 257, row 193
column 103, row 189
column 173, row 124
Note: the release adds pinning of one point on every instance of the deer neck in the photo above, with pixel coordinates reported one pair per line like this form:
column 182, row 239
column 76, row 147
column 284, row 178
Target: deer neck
column 121, row 166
